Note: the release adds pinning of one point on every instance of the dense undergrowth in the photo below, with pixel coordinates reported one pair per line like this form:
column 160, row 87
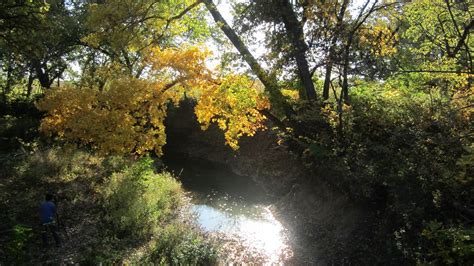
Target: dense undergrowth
column 112, row 209
column 409, row 160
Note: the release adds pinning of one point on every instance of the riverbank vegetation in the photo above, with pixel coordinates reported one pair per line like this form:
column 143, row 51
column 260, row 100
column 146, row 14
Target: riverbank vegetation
column 375, row 98
column 110, row 208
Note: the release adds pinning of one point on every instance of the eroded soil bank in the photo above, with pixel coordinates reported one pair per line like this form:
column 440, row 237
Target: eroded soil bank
column 322, row 223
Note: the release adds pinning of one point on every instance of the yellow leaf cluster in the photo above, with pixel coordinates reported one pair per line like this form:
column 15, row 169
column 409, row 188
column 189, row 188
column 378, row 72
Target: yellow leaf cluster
column 182, row 64
column 234, row 103
column 127, row 116
column 463, row 101
column 380, row 39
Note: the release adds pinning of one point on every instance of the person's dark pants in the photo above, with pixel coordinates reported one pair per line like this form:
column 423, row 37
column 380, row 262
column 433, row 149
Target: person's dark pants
column 50, row 228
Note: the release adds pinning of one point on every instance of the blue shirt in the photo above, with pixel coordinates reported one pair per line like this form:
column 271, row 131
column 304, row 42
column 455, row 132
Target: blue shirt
column 47, row 211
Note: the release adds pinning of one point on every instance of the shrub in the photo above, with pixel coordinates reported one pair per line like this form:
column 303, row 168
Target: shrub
column 147, row 208
column 137, row 200
column 180, row 244
column 15, row 249
column 447, row 245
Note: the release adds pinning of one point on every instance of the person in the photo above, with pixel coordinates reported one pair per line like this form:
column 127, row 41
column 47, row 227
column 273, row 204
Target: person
column 48, row 224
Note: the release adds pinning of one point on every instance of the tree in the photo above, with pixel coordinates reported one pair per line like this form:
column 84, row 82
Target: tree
column 300, row 32
column 121, row 102
column 124, row 30
column 268, row 81
column 127, row 116
column 42, row 35
column 280, row 11
column 17, row 19
column 438, row 30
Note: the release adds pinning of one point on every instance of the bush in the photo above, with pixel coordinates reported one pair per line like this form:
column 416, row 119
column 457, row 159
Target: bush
column 180, row 244
column 408, row 161
column 15, row 249
column 122, row 210
column 145, row 207
column 447, row 245
column 137, row 200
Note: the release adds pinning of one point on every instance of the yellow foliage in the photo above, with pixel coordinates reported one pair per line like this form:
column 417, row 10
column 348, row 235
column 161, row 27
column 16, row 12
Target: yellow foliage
column 462, row 100
column 291, row 94
column 128, row 115
column 232, row 102
column 380, row 39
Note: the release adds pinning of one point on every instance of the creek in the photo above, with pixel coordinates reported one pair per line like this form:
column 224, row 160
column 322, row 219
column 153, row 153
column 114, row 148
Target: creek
column 232, row 206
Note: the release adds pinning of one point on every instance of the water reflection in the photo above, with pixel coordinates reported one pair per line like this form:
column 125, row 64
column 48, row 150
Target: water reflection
column 233, row 206
column 264, row 233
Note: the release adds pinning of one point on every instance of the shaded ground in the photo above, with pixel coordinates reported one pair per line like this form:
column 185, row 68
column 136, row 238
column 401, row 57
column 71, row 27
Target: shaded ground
column 22, row 194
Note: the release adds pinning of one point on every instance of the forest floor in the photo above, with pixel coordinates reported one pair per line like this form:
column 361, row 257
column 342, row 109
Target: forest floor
column 21, row 195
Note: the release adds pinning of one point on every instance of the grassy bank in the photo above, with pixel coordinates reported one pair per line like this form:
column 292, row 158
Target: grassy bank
column 112, row 209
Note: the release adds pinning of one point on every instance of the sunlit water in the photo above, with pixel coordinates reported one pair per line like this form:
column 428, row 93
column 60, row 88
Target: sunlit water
column 255, row 226
column 232, row 205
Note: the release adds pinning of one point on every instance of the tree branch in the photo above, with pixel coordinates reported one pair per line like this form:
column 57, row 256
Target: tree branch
column 271, row 85
column 463, row 38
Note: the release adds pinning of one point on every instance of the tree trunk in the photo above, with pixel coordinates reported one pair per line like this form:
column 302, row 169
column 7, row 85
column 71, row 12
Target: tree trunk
column 327, row 77
column 345, row 83
column 8, row 85
column 271, row 86
column 295, row 31
column 345, row 70
column 332, row 49
column 29, row 87
column 42, row 74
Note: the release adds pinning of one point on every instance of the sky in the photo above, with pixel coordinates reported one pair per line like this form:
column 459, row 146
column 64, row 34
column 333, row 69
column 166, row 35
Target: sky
column 225, row 9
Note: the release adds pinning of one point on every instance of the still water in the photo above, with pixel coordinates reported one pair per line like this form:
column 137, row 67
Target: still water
column 233, row 206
